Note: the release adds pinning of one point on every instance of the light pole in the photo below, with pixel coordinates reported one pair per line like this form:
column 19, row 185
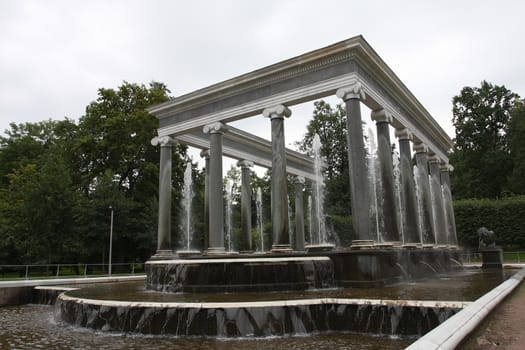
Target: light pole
column 110, row 239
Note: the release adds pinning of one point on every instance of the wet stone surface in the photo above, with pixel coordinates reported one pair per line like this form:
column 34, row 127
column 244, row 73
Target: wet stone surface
column 34, row 327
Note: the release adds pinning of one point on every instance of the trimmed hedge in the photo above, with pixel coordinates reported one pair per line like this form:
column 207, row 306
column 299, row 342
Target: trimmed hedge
column 506, row 217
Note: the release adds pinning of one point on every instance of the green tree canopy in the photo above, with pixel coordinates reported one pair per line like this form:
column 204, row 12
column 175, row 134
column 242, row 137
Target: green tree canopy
column 481, row 154
column 330, row 124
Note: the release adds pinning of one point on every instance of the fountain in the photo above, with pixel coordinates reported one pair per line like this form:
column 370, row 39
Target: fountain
column 397, row 191
column 228, row 196
column 320, row 242
column 282, row 292
column 186, row 226
column 375, row 184
column 260, row 225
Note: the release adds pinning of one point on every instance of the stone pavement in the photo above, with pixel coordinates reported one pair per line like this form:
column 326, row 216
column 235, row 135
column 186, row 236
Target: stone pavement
column 504, row 328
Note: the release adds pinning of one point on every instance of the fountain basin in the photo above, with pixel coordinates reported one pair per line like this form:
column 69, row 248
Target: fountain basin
column 226, row 275
column 259, row 319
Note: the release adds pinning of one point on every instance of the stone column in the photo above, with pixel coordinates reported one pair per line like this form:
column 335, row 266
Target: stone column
column 427, row 229
column 360, row 200
column 246, row 207
column 206, row 155
column 279, row 206
column 299, row 214
column 448, row 204
column 164, row 248
column 216, row 202
column 437, row 201
column 384, row 152
column 409, row 213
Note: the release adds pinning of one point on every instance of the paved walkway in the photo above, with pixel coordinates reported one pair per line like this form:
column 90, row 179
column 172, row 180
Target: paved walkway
column 504, row 328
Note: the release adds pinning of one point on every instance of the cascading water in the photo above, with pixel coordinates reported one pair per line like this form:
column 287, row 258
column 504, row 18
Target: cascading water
column 433, row 201
column 309, row 216
column 397, row 189
column 319, row 191
column 419, row 201
column 187, row 196
column 229, row 187
column 290, row 227
column 373, row 181
column 258, row 204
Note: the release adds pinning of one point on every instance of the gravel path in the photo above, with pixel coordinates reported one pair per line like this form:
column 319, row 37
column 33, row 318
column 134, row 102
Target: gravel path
column 504, row 328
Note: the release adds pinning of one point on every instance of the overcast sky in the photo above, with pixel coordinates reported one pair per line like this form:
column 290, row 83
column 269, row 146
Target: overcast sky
column 54, row 55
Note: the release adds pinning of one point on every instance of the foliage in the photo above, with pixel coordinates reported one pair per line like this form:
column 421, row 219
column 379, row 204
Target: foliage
column 516, row 142
column 506, row 217
column 330, row 124
column 59, row 178
column 481, row 153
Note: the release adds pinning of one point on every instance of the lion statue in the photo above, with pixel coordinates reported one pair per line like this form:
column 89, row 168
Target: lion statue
column 487, row 239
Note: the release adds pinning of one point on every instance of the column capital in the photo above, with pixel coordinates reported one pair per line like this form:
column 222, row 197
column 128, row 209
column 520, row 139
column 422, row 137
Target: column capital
column 354, row 91
column 445, row 167
column 404, row 134
column 420, row 147
column 382, row 116
column 299, row 180
column 432, row 158
column 205, row 153
column 163, row 141
column 279, row 111
column 215, row 128
column 245, row 164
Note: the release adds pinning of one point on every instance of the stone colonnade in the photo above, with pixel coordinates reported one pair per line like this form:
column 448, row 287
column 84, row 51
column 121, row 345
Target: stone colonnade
column 427, row 217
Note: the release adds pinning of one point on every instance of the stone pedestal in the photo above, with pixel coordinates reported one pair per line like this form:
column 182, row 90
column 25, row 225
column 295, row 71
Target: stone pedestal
column 492, row 258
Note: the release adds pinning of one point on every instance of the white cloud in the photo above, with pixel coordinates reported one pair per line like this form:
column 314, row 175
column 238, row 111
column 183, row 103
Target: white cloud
column 54, row 55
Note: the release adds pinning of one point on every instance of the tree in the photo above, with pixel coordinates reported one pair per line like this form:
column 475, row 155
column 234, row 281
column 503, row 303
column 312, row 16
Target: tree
column 516, row 143
column 330, row 125
column 481, row 153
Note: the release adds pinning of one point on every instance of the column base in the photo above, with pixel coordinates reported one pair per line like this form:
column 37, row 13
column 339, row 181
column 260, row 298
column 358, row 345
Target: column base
column 362, row 244
column 162, row 254
column 281, row 248
column 216, row 251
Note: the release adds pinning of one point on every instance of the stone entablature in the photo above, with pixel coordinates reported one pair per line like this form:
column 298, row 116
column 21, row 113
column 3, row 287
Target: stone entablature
column 314, row 75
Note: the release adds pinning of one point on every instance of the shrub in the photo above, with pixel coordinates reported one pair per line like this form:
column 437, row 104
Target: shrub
column 506, row 217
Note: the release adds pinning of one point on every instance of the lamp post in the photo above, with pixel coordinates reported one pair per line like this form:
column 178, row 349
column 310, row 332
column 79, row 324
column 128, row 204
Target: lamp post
column 110, row 240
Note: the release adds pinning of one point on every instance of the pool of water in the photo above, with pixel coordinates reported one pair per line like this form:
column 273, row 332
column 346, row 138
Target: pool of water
column 466, row 285
column 35, row 327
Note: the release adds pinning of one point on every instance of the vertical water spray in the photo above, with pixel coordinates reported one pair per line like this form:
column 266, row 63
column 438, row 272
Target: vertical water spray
column 419, row 201
column 319, row 191
column 310, row 223
column 372, row 160
column 258, row 204
column 397, row 189
column 290, row 227
column 229, row 187
column 187, row 196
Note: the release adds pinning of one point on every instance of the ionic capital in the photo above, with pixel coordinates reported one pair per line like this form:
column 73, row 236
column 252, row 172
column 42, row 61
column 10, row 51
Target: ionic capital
column 420, row 147
column 299, row 180
column 245, row 164
column 404, row 134
column 163, row 141
column 205, row 153
column 354, row 91
column 445, row 167
column 279, row 111
column 434, row 159
column 215, row 128
column 382, row 116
